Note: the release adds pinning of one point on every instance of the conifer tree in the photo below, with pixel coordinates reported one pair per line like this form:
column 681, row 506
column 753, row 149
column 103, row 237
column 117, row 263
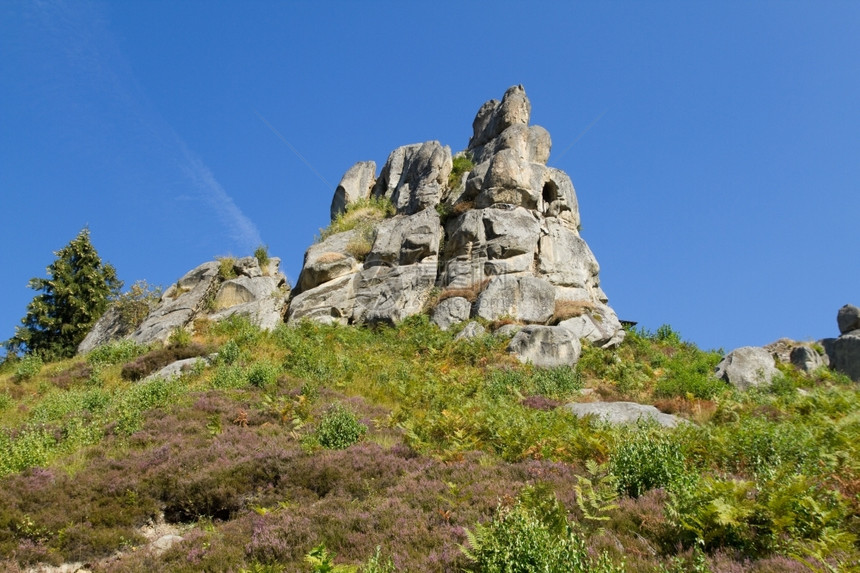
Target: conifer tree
column 76, row 293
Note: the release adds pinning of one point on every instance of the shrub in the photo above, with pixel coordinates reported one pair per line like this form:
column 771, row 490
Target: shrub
column 531, row 537
column 646, row 460
column 262, row 374
column 115, row 352
column 339, row 428
column 28, row 367
column 261, row 253
column 229, row 353
column 462, row 163
column 226, row 268
column 134, row 305
column 157, row 359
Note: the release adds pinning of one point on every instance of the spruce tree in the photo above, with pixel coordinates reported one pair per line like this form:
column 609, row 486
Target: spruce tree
column 76, row 293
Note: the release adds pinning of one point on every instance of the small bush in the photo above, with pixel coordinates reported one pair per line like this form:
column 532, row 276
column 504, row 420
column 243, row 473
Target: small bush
column 339, row 429
column 646, row 460
column 262, row 374
column 134, row 305
column 115, row 353
column 28, row 367
column 157, row 359
column 532, row 537
column 226, row 268
column 361, row 244
column 462, row 164
column 261, row 253
column 229, row 353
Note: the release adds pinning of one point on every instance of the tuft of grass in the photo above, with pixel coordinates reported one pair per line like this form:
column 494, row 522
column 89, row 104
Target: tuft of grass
column 565, row 309
column 362, row 214
column 462, row 164
column 261, row 253
column 226, row 270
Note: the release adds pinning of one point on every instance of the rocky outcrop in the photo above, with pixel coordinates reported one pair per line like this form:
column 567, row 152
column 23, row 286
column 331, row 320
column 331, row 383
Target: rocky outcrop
column 844, row 352
column 257, row 292
column 747, row 367
column 499, row 241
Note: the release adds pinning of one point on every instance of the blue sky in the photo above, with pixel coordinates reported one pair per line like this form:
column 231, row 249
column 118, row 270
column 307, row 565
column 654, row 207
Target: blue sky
column 715, row 147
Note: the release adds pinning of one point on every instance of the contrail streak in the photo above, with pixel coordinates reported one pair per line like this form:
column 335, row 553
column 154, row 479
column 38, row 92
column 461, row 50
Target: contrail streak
column 294, row 150
column 581, row 134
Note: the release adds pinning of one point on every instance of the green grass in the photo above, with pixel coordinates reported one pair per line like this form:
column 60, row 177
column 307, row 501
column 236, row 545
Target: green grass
column 763, row 476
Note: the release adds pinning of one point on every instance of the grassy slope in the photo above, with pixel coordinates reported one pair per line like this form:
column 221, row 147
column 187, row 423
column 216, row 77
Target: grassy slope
column 458, row 435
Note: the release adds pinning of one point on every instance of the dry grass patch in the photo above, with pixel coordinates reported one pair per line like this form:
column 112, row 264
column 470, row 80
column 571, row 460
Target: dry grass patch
column 331, row 257
column 470, row 292
column 565, row 309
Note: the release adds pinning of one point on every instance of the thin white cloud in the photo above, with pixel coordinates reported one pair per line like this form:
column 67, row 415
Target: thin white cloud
column 80, row 30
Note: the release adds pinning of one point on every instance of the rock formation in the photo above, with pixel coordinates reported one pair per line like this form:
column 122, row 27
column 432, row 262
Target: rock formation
column 495, row 238
column 258, row 292
column 844, row 352
column 498, row 241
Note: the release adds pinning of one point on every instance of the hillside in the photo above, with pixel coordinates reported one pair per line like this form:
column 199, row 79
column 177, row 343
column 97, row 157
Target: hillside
column 410, row 441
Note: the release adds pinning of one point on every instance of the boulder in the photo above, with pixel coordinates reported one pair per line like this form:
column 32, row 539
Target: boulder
column 330, row 302
column 545, row 346
column 451, row 311
column 805, row 358
column 617, row 413
column 523, row 298
column 108, row 328
column 846, row 354
column 406, row 240
column 599, row 325
column 177, row 368
column 471, row 330
column 328, row 260
column 356, row 184
column 508, row 182
column 747, row 367
column 508, row 330
column 179, row 304
column 848, row 318
column 248, row 266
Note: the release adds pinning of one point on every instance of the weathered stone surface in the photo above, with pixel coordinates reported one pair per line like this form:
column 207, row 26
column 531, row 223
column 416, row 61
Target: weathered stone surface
column 414, row 176
column 328, row 260
column 805, row 358
column 545, row 346
column 507, row 330
column 330, row 302
column 747, row 367
column 243, row 289
column 451, row 311
column 531, row 143
column 179, row 304
column 472, row 330
column 164, row 543
column 260, row 299
column 848, row 318
column 600, row 326
column 388, row 294
column 248, row 266
column 524, row 298
column 177, row 369
column 108, row 328
column 494, row 116
column 406, row 240
column 564, row 259
column 356, row 184
column 846, row 354
column 508, row 182
column 617, row 413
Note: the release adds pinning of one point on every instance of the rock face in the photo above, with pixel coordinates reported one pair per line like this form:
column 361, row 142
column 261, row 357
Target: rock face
column 844, row 352
column 746, row 367
column 499, row 241
column 260, row 293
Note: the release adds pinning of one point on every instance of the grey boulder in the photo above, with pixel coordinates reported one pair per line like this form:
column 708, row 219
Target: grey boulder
column 356, row 184
column 545, row 346
column 848, row 318
column 617, row 413
column 451, row 311
column 523, row 298
column 747, row 367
